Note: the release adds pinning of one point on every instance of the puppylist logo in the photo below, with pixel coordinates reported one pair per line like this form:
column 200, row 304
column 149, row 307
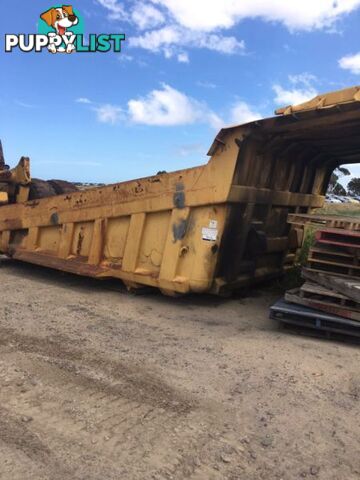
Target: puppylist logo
column 61, row 30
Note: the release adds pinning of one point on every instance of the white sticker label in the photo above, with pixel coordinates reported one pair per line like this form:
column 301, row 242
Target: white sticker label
column 209, row 234
column 213, row 224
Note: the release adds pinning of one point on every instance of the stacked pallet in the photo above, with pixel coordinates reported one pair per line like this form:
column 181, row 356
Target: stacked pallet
column 329, row 300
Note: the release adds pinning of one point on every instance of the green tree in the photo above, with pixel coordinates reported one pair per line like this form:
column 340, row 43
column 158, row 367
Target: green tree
column 354, row 186
column 339, row 189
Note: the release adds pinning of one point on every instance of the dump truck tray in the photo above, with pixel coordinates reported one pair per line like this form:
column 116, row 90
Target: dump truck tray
column 211, row 228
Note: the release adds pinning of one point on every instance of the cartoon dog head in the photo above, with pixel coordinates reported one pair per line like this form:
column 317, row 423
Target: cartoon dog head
column 60, row 18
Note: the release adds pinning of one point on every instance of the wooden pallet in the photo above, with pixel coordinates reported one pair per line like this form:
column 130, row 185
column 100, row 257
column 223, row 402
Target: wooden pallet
column 337, row 255
column 338, row 237
column 330, row 221
column 346, row 286
column 318, row 297
column 334, row 260
column 314, row 321
column 313, row 290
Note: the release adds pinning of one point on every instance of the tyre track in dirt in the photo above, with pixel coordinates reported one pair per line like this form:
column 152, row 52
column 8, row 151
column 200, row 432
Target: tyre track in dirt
column 98, row 385
column 118, row 409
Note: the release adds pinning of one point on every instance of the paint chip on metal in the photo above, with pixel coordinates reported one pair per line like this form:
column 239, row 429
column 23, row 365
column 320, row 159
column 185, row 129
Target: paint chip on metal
column 54, row 219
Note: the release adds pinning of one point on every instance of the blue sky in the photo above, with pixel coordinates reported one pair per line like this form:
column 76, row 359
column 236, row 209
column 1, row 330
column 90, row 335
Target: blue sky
column 187, row 68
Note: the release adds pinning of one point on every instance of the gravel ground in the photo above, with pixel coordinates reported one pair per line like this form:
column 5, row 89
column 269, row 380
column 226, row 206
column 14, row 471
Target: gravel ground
column 98, row 384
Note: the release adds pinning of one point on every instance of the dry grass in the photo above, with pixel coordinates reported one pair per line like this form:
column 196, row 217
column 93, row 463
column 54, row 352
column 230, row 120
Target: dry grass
column 343, row 209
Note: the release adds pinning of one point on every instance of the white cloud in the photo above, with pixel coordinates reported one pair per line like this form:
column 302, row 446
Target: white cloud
column 109, row 113
column 83, row 100
column 222, row 44
column 115, row 9
column 169, row 107
column 183, row 57
column 209, row 15
column 206, row 84
column 305, row 78
column 123, row 57
column 292, row 96
column 166, row 107
column 105, row 112
column 146, row 16
column 169, row 26
column 24, row 104
column 212, row 15
column 301, row 90
column 215, row 121
column 155, row 39
column 351, row 62
column 242, row 112
column 169, row 38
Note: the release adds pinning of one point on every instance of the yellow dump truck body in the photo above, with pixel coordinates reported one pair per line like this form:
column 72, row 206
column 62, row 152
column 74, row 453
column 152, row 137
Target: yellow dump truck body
column 211, row 228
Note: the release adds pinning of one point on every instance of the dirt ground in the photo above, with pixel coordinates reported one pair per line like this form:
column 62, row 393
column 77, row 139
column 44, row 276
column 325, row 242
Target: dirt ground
column 98, row 384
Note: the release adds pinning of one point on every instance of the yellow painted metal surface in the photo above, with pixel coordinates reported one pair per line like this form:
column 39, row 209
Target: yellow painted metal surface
column 206, row 229
column 327, row 100
column 4, row 198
